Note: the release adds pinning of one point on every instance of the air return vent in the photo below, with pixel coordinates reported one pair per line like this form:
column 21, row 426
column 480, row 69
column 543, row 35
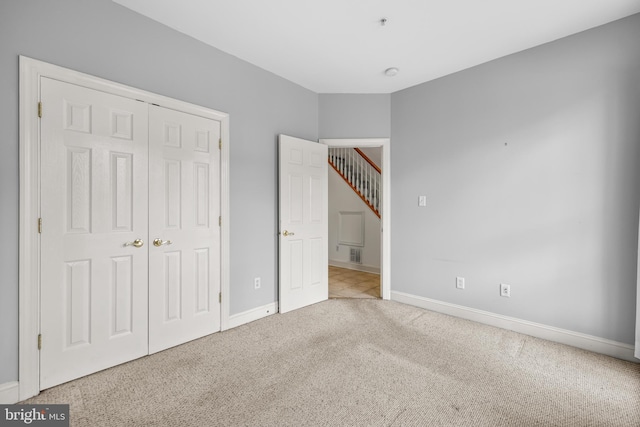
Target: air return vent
column 355, row 255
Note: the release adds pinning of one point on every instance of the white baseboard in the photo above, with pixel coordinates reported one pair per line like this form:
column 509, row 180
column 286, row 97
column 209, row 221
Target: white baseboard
column 253, row 314
column 9, row 393
column 358, row 267
column 563, row 336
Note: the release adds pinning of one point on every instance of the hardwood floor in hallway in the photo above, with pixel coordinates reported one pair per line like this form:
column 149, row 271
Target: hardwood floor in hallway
column 345, row 283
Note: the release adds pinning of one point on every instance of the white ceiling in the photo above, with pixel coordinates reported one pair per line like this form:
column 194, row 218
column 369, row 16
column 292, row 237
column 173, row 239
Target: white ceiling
column 339, row 46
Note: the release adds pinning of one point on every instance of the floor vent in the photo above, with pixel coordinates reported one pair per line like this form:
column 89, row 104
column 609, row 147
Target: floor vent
column 355, row 255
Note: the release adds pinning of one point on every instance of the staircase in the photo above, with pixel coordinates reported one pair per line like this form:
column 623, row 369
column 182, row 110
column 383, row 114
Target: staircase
column 362, row 175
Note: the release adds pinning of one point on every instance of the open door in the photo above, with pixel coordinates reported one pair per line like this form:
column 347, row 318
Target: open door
column 303, row 235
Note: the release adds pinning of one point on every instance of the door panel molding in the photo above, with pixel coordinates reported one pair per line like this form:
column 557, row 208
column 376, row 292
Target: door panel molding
column 31, row 72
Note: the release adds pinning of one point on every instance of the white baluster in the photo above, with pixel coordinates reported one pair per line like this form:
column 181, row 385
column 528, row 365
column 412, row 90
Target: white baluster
column 350, row 167
column 371, row 175
column 346, row 164
column 375, row 194
column 369, row 184
column 359, row 175
column 353, row 167
column 356, row 171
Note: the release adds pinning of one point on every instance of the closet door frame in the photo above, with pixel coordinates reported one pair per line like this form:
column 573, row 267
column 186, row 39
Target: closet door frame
column 31, row 72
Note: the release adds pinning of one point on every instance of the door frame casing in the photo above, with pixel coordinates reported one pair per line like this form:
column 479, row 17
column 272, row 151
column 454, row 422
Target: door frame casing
column 385, row 234
column 31, row 72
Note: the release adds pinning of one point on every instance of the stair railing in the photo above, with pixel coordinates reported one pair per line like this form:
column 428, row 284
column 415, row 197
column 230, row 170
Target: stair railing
column 361, row 173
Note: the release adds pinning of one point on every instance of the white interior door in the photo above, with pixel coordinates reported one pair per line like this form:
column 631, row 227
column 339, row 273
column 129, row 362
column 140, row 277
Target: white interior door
column 93, row 206
column 184, row 232
column 303, row 234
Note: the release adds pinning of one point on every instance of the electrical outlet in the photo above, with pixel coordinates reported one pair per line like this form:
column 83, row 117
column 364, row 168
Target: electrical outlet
column 256, row 283
column 460, row 282
column 505, row 290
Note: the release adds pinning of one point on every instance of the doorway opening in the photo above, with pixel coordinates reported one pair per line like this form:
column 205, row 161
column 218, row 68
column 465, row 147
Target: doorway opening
column 359, row 250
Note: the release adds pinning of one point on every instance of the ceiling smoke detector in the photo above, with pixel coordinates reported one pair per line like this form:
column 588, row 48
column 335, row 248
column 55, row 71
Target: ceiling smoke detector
column 390, row 72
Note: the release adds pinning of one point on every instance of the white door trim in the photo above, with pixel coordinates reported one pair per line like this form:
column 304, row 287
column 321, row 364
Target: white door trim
column 385, row 143
column 31, row 71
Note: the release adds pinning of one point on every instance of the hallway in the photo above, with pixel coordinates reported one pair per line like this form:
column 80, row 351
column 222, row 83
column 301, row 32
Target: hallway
column 346, row 283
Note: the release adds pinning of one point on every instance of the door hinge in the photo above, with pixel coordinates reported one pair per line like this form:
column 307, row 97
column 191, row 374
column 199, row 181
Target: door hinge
column 39, row 225
column 220, row 144
column 220, row 297
column 40, row 109
column 39, row 341
column 219, row 221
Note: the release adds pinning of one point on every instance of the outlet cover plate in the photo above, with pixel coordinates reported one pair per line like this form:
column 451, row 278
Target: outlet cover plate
column 505, row 290
column 460, row 282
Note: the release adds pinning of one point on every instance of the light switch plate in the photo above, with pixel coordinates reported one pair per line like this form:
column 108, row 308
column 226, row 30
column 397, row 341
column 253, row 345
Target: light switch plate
column 422, row 200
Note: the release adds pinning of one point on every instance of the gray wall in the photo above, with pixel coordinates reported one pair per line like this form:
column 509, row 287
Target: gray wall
column 530, row 165
column 354, row 115
column 104, row 39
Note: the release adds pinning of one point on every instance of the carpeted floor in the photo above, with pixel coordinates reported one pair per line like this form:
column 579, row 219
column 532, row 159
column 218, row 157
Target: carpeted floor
column 360, row 362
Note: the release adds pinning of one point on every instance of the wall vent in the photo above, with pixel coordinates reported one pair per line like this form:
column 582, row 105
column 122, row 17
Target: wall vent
column 355, row 255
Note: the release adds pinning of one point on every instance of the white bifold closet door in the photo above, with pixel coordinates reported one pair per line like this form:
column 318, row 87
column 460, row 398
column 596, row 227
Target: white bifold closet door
column 117, row 174
column 184, row 208
column 93, row 294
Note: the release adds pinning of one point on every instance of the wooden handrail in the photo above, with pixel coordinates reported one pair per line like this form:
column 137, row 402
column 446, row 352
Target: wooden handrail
column 364, row 156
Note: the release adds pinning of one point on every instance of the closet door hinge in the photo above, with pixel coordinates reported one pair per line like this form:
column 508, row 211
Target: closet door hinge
column 40, row 109
column 39, row 341
column 39, row 225
column 220, row 297
column 219, row 221
column 220, row 144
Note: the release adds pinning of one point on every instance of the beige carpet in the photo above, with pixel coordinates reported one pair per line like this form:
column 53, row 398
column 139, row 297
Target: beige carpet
column 360, row 362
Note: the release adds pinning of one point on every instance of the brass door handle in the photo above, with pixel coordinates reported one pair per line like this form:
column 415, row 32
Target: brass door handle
column 138, row 243
column 160, row 242
column 285, row 233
